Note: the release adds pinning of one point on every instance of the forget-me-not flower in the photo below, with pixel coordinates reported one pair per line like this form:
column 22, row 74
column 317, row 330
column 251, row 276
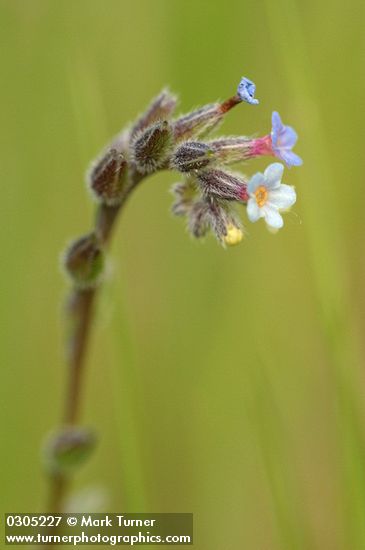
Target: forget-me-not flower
column 268, row 196
column 246, row 91
column 283, row 139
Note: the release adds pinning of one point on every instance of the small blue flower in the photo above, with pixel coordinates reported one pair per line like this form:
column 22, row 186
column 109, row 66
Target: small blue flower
column 283, row 139
column 246, row 91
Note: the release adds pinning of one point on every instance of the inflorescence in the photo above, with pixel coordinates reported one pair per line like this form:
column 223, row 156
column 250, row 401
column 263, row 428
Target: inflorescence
column 209, row 191
column 206, row 195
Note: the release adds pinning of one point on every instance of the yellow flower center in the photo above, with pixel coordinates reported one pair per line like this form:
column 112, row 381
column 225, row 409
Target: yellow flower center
column 261, row 195
column 234, row 235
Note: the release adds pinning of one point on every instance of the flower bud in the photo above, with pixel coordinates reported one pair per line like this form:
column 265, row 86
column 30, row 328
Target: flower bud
column 84, row 261
column 198, row 123
column 223, row 185
column 185, row 194
column 108, row 178
column 192, row 155
column 231, row 150
column 68, row 449
column 161, row 108
column 218, row 221
column 223, row 220
column 198, row 221
column 151, row 147
column 234, row 235
column 219, row 217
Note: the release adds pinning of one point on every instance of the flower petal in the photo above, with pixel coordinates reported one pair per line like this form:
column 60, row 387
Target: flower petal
column 246, row 91
column 276, row 124
column 253, row 210
column 273, row 175
column 287, row 138
column 290, row 158
column 272, row 217
column 282, row 197
column 283, row 139
column 255, row 181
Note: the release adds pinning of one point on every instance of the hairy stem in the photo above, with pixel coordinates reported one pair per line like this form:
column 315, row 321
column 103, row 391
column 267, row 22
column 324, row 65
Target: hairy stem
column 80, row 313
column 80, row 308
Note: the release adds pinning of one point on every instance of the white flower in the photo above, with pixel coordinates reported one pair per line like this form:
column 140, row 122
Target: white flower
column 268, row 196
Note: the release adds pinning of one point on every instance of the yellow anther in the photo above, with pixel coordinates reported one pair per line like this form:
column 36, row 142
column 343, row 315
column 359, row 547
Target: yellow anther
column 261, row 195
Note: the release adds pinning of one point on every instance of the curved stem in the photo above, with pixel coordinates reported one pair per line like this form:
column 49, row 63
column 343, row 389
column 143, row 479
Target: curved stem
column 80, row 312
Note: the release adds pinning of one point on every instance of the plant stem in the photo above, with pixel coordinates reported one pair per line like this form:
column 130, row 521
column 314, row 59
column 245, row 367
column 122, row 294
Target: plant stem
column 80, row 312
column 57, row 486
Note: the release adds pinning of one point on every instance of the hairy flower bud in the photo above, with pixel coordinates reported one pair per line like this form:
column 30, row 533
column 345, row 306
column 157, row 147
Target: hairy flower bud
column 223, row 185
column 68, row 449
column 161, row 108
column 190, row 156
column 185, row 194
column 222, row 219
column 231, row 150
column 84, row 261
column 198, row 221
column 219, row 217
column 198, row 123
column 108, row 178
column 151, row 147
column 203, row 120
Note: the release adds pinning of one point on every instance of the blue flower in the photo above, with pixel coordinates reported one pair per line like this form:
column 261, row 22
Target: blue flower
column 246, row 91
column 283, row 139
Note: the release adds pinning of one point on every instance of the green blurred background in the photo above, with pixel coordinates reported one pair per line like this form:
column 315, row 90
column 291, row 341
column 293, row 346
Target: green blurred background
column 229, row 383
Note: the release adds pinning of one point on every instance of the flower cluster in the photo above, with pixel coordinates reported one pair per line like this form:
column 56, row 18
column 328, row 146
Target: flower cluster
column 209, row 191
